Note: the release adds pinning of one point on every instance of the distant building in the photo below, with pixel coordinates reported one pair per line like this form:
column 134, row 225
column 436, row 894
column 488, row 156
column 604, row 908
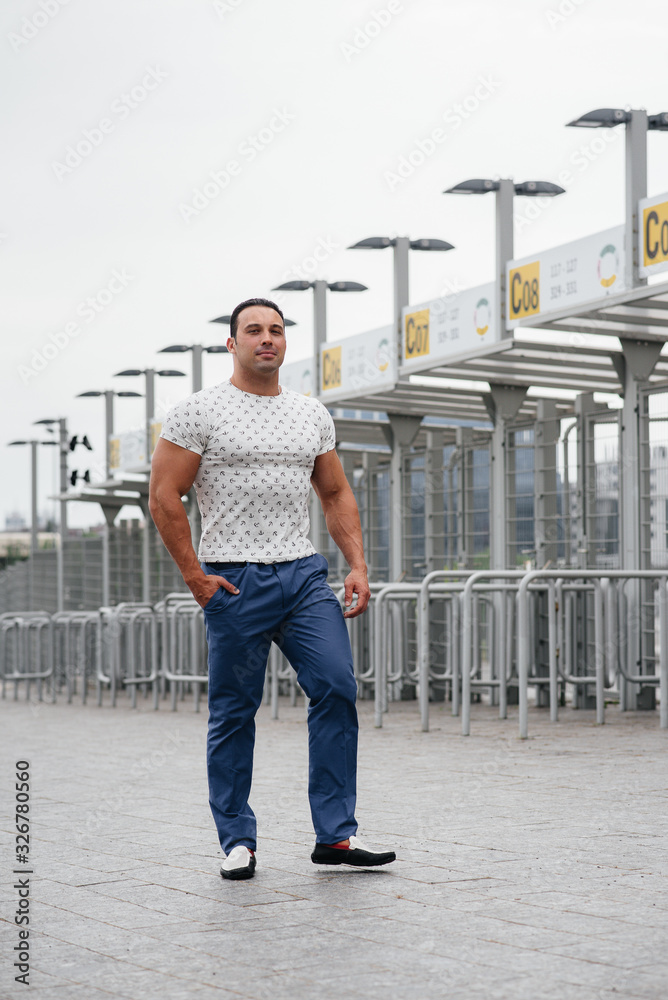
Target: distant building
column 15, row 522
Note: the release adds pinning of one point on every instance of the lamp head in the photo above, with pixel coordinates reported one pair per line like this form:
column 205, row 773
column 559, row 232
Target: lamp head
column 601, row 118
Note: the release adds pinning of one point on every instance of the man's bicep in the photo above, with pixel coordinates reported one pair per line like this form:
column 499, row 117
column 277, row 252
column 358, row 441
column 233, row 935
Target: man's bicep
column 173, row 467
column 328, row 475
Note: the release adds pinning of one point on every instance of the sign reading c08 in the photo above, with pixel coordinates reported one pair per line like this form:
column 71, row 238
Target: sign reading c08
column 655, row 234
column 524, row 290
column 416, row 334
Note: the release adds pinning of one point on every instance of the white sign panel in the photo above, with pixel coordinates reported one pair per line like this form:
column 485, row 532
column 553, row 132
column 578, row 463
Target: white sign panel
column 128, row 449
column 653, row 216
column 566, row 276
column 445, row 327
column 131, row 449
column 365, row 363
column 298, row 376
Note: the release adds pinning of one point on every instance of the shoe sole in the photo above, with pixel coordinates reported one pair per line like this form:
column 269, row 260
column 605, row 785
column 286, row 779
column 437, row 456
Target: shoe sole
column 238, row 874
column 355, row 864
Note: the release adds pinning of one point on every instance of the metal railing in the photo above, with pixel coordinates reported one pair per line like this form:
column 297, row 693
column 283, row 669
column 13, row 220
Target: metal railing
column 489, row 644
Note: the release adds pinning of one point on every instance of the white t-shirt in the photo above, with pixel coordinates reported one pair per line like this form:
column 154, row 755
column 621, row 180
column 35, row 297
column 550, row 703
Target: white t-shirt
column 253, row 481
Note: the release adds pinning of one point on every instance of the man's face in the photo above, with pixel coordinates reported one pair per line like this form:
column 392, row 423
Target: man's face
column 260, row 344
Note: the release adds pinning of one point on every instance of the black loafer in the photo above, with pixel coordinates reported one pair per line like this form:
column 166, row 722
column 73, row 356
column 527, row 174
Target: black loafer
column 356, row 855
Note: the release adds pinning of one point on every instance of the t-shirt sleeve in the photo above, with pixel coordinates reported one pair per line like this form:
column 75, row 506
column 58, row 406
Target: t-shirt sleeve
column 327, row 430
column 185, row 427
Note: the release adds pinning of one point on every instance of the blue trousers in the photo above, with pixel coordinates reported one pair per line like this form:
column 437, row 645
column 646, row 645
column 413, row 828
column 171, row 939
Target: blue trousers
column 291, row 604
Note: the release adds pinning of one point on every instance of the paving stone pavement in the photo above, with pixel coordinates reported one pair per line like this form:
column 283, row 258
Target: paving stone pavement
column 528, row 870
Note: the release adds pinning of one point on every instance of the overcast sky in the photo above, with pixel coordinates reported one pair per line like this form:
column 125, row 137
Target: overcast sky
column 168, row 158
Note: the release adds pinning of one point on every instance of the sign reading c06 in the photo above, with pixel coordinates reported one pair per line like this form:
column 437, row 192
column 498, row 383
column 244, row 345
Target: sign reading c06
column 331, row 368
column 114, row 453
column 524, row 290
column 416, row 334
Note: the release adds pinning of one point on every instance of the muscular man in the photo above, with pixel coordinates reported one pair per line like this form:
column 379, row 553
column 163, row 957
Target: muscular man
column 252, row 449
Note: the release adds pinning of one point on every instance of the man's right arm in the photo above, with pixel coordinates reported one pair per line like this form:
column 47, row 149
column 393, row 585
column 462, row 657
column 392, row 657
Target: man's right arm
column 173, row 471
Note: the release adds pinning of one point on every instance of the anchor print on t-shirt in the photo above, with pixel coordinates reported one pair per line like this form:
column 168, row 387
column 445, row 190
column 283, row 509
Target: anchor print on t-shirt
column 253, row 481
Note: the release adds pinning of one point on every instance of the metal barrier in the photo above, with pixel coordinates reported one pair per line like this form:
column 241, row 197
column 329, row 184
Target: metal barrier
column 598, row 678
column 26, row 651
column 182, row 659
column 75, row 637
column 584, row 645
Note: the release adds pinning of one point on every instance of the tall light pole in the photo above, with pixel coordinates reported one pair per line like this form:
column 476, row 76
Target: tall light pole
column 638, row 124
column 34, row 542
column 639, row 360
column 109, row 418
column 63, row 484
column 503, row 401
column 108, row 511
column 505, row 190
column 149, row 374
column 401, row 245
column 197, row 351
column 402, row 428
column 320, row 288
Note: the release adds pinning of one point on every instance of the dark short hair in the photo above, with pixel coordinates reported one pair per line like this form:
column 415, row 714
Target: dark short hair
column 234, row 318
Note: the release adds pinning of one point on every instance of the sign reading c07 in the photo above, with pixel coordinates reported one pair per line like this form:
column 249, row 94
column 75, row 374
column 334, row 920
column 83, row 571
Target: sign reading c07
column 416, row 334
column 524, row 290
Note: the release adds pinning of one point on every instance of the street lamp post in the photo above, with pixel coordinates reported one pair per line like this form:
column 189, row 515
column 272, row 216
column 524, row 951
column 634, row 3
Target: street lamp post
column 320, row 288
column 63, row 444
column 109, row 511
column 639, row 361
column 638, row 123
column 34, row 540
column 403, row 428
column 401, row 245
column 108, row 418
column 505, row 190
column 149, row 374
column 503, row 401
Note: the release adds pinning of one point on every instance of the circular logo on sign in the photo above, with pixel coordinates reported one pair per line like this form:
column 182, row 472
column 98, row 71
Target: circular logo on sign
column 608, row 265
column 481, row 317
column 383, row 355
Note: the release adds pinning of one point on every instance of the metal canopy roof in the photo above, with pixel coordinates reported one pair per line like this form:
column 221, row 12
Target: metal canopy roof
column 369, row 433
column 548, row 365
column 640, row 314
column 450, row 402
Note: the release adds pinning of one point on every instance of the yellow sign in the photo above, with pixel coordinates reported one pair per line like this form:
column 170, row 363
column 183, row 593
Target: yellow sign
column 114, row 453
column 524, row 290
column 331, row 368
column 416, row 334
column 655, row 234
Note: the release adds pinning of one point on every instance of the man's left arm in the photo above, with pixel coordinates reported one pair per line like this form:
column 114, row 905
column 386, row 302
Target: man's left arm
column 343, row 523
